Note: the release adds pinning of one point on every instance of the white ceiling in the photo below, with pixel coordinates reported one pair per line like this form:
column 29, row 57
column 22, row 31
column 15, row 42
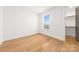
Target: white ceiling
column 39, row 9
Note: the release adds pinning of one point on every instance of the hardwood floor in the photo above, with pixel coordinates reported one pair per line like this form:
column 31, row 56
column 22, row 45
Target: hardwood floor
column 70, row 45
column 39, row 43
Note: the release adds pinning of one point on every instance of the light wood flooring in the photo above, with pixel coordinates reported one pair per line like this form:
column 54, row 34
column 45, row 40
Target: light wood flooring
column 40, row 43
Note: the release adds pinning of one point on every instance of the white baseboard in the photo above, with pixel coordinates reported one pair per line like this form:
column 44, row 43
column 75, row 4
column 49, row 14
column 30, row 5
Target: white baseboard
column 18, row 36
column 56, row 37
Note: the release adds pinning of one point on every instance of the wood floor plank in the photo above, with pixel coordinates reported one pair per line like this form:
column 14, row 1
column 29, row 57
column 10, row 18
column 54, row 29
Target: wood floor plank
column 40, row 43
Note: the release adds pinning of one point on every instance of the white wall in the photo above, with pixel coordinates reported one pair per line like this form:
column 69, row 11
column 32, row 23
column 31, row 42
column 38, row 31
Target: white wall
column 19, row 22
column 57, row 23
column 1, row 23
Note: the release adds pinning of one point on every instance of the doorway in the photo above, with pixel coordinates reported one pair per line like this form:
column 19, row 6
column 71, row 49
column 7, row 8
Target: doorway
column 70, row 26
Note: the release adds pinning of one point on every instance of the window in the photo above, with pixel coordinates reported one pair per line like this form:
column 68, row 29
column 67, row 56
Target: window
column 46, row 22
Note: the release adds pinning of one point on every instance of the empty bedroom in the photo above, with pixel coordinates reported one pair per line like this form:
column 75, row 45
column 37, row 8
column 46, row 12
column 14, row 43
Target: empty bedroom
column 36, row 29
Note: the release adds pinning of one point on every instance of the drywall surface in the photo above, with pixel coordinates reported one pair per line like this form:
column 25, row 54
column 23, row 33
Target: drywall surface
column 19, row 22
column 1, row 23
column 56, row 23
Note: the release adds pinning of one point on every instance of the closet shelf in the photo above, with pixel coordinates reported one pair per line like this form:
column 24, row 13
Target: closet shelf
column 70, row 26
